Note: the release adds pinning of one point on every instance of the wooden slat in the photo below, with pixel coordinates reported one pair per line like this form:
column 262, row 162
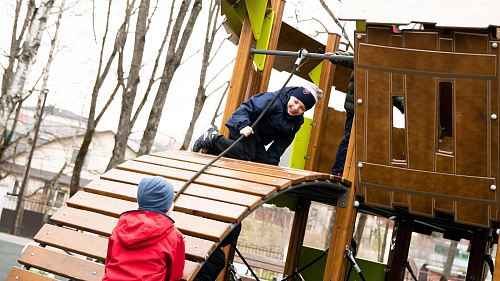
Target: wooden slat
column 128, row 191
column 309, row 175
column 73, row 241
column 261, row 190
column 257, row 261
column 184, row 203
column 18, row 274
column 103, row 225
column 232, row 174
column 95, row 247
column 62, row 264
column 75, row 268
column 84, row 220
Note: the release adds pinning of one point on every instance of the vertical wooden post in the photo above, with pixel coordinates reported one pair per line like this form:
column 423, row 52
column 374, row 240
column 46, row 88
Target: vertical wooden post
column 297, row 236
column 241, row 73
column 325, row 84
column 396, row 267
column 344, row 221
column 479, row 244
column 224, row 274
column 496, row 273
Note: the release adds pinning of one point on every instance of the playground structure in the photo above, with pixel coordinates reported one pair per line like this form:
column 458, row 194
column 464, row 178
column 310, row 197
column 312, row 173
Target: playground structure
column 438, row 173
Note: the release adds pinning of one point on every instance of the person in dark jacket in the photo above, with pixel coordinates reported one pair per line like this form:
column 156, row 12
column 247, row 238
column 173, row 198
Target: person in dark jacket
column 145, row 245
column 338, row 164
column 278, row 126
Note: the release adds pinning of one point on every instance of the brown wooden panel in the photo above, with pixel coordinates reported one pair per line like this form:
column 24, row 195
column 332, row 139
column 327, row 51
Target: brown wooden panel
column 444, row 205
column 446, row 44
column 471, row 127
column 332, row 136
column 421, row 40
column 472, row 214
column 397, row 85
column 18, row 274
column 421, row 62
column 376, row 197
column 95, row 247
column 444, row 164
column 421, row 205
column 380, row 35
column 470, row 42
column 495, row 129
column 277, row 182
column 128, row 191
column 61, row 264
column 73, row 241
column 439, row 185
column 420, row 117
column 84, row 220
column 262, row 190
column 400, row 199
column 360, row 92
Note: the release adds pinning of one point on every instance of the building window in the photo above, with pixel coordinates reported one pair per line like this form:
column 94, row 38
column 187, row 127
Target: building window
column 59, row 198
column 74, row 153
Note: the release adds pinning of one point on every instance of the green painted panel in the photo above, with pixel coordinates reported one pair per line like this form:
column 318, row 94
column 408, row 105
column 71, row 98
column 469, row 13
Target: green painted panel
column 300, row 145
column 241, row 9
column 315, row 271
column 256, row 10
column 234, row 17
column 360, row 25
column 263, row 42
column 285, row 200
column 371, row 270
column 315, row 74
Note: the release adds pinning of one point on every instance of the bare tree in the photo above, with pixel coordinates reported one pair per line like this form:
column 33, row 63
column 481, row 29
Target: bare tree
column 22, row 57
column 175, row 52
column 102, row 72
column 358, row 236
column 339, row 24
column 202, row 88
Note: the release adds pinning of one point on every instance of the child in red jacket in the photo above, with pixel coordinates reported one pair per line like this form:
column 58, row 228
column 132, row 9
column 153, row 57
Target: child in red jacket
column 145, row 245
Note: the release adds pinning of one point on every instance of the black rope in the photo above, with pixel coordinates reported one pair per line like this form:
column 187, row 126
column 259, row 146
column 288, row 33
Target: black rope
column 245, row 262
column 241, row 137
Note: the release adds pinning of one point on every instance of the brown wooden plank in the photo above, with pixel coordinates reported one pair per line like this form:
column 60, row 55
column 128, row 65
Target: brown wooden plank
column 308, row 174
column 62, row 264
column 128, row 191
column 18, row 274
column 438, row 185
column 84, row 220
column 261, row 190
column 422, row 205
column 444, row 164
column 473, row 214
column 331, row 138
column 257, row 261
column 103, row 225
column 245, row 165
column 75, row 268
column 416, row 62
column 228, row 164
column 95, row 247
column 73, row 241
column 232, row 174
column 184, row 203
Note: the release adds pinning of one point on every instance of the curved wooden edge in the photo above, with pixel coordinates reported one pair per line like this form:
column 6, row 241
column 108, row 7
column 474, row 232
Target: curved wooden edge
column 19, row 274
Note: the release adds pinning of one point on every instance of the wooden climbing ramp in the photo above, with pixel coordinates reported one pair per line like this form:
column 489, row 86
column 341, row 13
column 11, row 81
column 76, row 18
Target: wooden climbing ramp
column 207, row 210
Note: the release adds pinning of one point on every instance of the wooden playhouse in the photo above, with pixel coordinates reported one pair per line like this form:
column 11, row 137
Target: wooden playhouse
column 439, row 173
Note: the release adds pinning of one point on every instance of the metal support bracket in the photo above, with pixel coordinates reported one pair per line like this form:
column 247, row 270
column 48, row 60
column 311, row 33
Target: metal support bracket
column 343, row 198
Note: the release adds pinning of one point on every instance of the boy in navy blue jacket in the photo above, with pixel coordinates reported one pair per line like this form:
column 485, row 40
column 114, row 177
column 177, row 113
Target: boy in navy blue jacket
column 279, row 125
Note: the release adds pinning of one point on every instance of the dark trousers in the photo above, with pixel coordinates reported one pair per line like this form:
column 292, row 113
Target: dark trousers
column 217, row 261
column 338, row 165
column 247, row 149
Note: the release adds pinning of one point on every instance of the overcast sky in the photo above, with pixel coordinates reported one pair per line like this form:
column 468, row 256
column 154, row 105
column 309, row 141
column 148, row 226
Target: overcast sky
column 74, row 68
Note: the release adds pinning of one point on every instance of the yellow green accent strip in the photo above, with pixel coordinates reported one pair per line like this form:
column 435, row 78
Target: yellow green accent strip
column 300, row 145
column 315, row 74
column 263, row 42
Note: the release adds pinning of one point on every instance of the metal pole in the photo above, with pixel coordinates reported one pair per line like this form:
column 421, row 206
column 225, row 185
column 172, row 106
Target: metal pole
column 20, row 196
column 254, row 51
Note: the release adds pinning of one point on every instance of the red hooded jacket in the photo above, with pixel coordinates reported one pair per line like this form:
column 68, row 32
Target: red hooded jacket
column 145, row 246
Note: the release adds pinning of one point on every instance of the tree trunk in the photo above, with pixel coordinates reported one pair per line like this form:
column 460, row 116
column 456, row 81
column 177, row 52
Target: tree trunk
column 201, row 96
column 92, row 121
column 125, row 123
column 384, row 242
column 26, row 59
column 171, row 64
column 452, row 251
column 330, row 228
